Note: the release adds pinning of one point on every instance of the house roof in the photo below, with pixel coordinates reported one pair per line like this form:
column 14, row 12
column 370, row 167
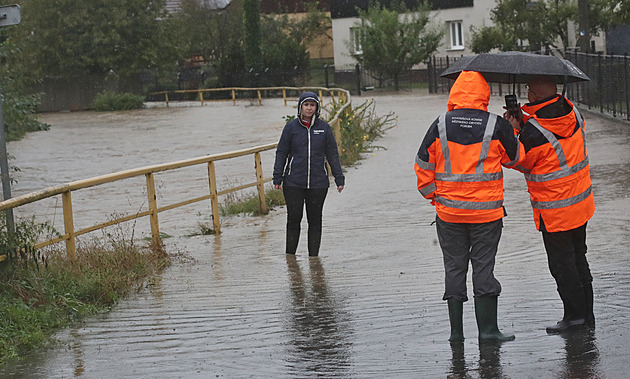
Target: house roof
column 348, row 8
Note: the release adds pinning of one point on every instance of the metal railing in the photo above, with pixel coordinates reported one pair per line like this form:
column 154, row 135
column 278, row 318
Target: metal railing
column 66, row 190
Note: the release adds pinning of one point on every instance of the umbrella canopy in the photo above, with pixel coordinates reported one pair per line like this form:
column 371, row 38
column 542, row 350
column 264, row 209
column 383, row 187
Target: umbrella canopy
column 516, row 67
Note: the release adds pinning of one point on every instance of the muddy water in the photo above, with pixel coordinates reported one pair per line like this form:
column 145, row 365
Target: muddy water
column 370, row 306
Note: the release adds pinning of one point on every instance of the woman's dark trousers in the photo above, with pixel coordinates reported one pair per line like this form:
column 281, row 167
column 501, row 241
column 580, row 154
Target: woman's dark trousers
column 314, row 200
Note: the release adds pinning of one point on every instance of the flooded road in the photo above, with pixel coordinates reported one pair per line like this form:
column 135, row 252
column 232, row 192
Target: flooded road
column 369, row 307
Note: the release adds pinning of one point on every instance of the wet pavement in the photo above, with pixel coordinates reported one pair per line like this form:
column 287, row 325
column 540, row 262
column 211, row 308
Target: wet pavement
column 370, row 306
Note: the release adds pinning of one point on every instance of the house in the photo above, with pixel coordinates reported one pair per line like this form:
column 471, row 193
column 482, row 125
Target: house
column 457, row 16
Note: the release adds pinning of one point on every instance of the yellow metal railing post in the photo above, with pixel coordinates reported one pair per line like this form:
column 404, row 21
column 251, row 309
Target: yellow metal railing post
column 337, row 131
column 214, row 199
column 259, row 98
column 201, row 97
column 153, row 213
column 261, row 183
column 284, row 96
column 166, row 98
column 233, row 97
column 320, row 96
column 68, row 224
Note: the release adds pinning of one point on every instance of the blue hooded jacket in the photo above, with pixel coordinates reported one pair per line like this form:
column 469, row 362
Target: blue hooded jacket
column 302, row 152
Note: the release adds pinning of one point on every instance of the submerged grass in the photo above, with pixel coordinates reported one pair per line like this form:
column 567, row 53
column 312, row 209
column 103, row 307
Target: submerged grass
column 40, row 295
column 250, row 204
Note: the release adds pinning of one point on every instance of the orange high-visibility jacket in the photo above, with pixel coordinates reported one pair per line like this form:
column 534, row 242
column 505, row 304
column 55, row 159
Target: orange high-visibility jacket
column 556, row 165
column 459, row 161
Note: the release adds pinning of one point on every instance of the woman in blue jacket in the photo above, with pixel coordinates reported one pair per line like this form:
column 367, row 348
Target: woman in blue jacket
column 307, row 142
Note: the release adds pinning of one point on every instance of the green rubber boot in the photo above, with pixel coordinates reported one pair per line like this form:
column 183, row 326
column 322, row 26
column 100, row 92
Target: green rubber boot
column 456, row 316
column 486, row 313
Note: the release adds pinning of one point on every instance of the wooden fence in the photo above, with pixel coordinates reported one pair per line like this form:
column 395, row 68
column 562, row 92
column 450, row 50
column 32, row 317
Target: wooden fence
column 65, row 190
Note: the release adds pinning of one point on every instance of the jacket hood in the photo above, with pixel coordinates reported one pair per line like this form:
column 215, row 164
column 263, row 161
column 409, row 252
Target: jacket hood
column 308, row 96
column 563, row 125
column 470, row 90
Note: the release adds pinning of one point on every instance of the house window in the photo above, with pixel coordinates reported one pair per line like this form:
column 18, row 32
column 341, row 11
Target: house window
column 355, row 37
column 457, row 35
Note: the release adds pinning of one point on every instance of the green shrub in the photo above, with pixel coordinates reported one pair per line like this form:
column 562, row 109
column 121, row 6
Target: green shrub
column 110, row 101
column 360, row 127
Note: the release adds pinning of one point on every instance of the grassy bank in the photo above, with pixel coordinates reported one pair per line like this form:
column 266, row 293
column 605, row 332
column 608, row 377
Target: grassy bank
column 43, row 292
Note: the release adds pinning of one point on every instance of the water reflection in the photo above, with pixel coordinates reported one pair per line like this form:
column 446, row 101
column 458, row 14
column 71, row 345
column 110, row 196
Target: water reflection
column 319, row 339
column 77, row 351
column 582, row 356
column 458, row 362
column 489, row 361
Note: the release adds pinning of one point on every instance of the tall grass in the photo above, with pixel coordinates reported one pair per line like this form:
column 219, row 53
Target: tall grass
column 250, row 204
column 41, row 292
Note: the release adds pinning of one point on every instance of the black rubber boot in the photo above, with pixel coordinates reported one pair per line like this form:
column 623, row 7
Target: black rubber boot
column 588, row 300
column 574, row 302
column 456, row 316
column 486, row 313
column 314, row 241
column 293, row 237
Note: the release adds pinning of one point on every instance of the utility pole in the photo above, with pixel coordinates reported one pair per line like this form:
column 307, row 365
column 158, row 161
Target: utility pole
column 9, row 15
column 584, row 39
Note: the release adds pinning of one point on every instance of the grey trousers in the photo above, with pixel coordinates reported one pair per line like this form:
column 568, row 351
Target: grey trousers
column 475, row 243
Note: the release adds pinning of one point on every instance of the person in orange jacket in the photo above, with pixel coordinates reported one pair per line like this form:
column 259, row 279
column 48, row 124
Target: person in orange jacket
column 459, row 168
column 556, row 169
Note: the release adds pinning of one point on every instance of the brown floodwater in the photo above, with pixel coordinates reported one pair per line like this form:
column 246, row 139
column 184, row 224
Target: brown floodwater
column 370, row 306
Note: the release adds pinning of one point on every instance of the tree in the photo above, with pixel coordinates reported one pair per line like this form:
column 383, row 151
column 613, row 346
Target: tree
column 281, row 52
column 77, row 37
column 251, row 19
column 530, row 26
column 395, row 39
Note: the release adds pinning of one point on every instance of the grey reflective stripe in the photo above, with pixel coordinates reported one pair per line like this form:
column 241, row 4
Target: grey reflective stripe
column 483, row 177
column 561, row 203
column 564, row 170
column 426, row 191
column 485, row 145
column 425, row 165
column 522, row 169
column 580, row 119
column 478, row 176
column 562, row 159
column 474, row 205
column 444, row 143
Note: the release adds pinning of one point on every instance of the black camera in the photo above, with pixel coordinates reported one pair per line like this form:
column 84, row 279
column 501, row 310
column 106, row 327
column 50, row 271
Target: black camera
column 511, row 105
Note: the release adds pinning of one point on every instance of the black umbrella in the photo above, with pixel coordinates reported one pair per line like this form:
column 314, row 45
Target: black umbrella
column 516, row 67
